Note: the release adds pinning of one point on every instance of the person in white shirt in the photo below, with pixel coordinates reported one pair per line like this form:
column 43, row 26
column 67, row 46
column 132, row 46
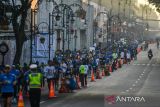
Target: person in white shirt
column 63, row 67
column 49, row 73
column 97, row 61
column 122, row 55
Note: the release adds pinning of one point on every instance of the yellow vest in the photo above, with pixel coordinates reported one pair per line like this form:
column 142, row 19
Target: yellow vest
column 35, row 80
column 82, row 69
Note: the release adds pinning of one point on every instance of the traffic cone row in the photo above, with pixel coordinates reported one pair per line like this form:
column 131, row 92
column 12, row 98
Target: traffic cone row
column 63, row 88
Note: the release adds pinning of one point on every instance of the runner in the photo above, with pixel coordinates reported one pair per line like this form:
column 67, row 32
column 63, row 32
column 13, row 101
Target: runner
column 7, row 80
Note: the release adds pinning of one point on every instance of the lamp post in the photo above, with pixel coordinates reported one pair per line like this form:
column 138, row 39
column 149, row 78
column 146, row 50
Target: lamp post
column 75, row 42
column 34, row 9
column 114, row 25
column 31, row 36
column 96, row 24
column 67, row 19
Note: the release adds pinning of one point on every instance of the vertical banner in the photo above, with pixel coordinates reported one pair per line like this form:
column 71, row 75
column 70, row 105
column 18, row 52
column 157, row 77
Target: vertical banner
column 41, row 47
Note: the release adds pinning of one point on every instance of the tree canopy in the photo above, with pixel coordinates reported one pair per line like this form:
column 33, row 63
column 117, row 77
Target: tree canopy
column 156, row 3
column 19, row 13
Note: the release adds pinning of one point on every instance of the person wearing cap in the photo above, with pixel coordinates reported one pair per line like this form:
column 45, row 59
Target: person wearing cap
column 7, row 81
column 35, row 83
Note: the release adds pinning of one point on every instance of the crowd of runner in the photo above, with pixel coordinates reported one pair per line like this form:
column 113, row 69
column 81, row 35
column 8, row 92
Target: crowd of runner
column 67, row 67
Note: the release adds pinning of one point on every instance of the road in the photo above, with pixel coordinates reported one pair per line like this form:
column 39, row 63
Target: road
column 140, row 78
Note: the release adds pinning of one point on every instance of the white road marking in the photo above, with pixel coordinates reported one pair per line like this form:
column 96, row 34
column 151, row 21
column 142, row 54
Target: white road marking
column 143, row 64
column 130, row 88
column 138, row 79
column 136, row 82
column 133, row 85
column 127, row 90
column 42, row 102
column 142, row 74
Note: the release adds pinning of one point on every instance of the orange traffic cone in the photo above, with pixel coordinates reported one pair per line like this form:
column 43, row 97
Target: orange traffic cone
column 92, row 77
column 121, row 61
column 78, row 79
column 77, row 82
column 20, row 100
column 98, row 76
column 110, row 68
column 51, row 91
column 117, row 65
column 103, row 74
column 63, row 88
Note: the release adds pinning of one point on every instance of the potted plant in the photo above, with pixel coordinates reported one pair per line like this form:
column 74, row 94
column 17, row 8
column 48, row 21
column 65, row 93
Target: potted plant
column 42, row 40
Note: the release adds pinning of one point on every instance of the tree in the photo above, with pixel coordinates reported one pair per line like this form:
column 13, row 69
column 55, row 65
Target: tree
column 18, row 18
column 156, row 3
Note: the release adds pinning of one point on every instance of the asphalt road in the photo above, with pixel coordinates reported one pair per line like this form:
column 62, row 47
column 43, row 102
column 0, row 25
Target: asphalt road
column 139, row 79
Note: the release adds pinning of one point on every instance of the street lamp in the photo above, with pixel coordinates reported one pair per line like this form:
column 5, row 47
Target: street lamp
column 68, row 20
column 34, row 8
column 57, row 17
column 96, row 24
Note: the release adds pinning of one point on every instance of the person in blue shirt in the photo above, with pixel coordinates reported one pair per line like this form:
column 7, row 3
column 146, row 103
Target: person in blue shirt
column 107, row 60
column 7, row 81
column 16, row 73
